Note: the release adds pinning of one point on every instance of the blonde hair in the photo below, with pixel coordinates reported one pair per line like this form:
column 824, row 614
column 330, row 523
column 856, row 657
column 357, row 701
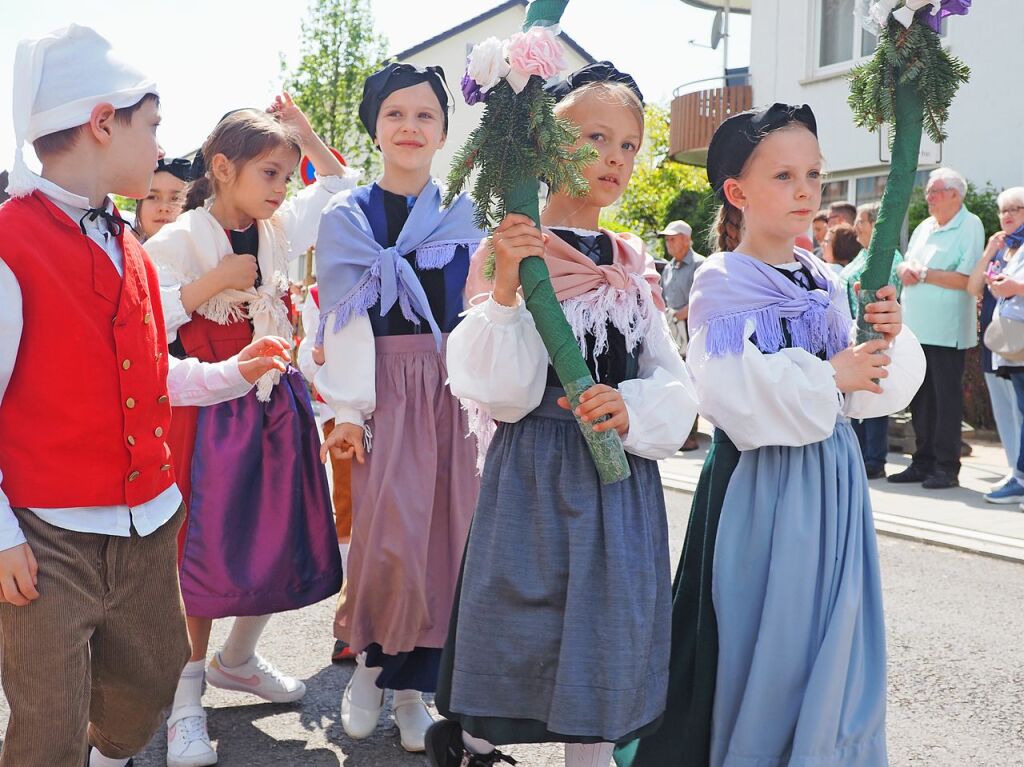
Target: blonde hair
column 617, row 94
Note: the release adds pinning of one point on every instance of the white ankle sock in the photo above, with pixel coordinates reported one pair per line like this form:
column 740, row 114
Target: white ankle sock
column 407, row 696
column 343, row 550
column 96, row 759
column 241, row 644
column 588, row 754
column 476, row 745
column 365, row 692
column 190, row 689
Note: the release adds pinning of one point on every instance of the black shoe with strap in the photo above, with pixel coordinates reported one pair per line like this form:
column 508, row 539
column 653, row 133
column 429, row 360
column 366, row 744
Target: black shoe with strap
column 445, row 748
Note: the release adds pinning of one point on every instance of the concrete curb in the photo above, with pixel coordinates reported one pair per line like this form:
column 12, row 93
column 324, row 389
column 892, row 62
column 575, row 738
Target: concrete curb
column 898, row 526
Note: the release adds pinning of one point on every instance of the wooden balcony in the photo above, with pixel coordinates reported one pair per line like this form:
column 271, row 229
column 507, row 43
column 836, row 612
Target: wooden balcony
column 696, row 116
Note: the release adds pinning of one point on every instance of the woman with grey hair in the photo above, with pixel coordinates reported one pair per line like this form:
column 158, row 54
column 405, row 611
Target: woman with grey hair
column 994, row 281
column 872, row 433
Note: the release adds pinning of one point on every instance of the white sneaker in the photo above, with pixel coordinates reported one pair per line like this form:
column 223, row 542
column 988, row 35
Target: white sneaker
column 255, row 676
column 413, row 720
column 188, row 743
column 358, row 722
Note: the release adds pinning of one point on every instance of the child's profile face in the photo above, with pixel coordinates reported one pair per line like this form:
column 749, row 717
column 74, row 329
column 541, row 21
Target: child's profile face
column 780, row 189
column 163, row 203
column 613, row 130
column 134, row 151
column 410, row 128
column 259, row 186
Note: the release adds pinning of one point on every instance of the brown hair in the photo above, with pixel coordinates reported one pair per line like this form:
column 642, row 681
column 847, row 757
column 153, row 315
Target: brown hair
column 241, row 137
column 618, row 94
column 63, row 140
column 845, row 246
column 845, row 210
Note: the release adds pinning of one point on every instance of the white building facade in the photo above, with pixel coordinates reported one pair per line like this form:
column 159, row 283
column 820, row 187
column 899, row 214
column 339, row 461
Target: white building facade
column 802, row 51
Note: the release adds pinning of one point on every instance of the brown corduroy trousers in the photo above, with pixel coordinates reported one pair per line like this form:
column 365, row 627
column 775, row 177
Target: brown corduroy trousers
column 96, row 658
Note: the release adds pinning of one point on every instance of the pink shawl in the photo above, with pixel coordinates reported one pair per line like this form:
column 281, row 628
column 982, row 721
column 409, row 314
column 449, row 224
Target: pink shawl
column 573, row 274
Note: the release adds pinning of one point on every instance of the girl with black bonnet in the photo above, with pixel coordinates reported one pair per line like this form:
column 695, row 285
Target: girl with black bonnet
column 778, row 646
column 392, row 266
column 561, row 628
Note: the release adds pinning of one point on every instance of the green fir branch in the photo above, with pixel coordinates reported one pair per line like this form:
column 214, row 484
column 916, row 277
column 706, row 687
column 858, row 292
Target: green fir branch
column 519, row 136
column 907, row 56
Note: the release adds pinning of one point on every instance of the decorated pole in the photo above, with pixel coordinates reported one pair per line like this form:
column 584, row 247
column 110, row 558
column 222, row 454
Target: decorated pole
column 909, row 84
column 519, row 141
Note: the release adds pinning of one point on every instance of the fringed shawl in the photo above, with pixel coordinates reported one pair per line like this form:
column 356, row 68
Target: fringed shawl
column 731, row 288
column 354, row 270
column 195, row 243
column 626, row 294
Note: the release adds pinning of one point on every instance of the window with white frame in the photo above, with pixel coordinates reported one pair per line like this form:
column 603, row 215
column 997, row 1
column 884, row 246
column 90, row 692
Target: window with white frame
column 840, row 35
column 836, row 30
column 835, row 191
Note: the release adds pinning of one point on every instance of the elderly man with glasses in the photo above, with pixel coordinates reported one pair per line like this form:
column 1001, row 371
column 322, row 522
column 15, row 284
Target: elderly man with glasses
column 937, row 307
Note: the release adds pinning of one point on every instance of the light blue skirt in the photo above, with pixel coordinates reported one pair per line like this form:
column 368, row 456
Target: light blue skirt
column 801, row 677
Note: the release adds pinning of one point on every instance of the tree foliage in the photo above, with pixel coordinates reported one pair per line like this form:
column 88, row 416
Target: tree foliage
column 340, row 49
column 661, row 189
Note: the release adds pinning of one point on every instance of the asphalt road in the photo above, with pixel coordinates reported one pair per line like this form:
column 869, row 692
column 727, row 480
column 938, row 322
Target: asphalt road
column 956, row 699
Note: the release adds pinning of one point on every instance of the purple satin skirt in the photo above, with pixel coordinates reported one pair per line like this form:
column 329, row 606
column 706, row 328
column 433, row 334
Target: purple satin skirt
column 260, row 537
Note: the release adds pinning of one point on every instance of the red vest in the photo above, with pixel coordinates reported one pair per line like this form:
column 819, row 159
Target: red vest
column 84, row 420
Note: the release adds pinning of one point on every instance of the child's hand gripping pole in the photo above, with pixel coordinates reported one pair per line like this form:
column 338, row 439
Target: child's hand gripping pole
column 573, row 373
column 605, row 446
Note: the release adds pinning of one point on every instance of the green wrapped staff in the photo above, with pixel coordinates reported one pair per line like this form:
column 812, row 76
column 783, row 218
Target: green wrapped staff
column 519, row 141
column 909, row 84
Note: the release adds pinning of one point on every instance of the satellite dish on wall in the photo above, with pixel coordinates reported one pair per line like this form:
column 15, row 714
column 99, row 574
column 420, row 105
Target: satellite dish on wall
column 716, row 30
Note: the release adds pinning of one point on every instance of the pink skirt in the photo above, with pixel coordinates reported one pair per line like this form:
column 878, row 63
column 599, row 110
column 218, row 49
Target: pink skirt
column 413, row 501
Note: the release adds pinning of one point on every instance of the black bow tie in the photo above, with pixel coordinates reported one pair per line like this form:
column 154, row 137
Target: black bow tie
column 115, row 223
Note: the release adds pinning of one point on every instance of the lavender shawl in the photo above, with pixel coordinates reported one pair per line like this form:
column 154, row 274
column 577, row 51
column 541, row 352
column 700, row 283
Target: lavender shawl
column 353, row 270
column 731, row 288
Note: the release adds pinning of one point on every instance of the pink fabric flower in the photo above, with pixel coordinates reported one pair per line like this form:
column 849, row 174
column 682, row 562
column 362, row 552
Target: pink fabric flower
column 536, row 52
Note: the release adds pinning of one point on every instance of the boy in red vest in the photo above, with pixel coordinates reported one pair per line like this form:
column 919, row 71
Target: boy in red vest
column 91, row 623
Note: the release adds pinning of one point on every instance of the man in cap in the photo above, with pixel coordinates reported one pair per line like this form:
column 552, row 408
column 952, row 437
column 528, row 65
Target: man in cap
column 676, row 281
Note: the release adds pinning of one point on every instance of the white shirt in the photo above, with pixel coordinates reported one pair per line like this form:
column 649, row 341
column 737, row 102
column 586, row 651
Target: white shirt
column 790, row 398
column 304, row 354
column 497, row 359
column 189, row 382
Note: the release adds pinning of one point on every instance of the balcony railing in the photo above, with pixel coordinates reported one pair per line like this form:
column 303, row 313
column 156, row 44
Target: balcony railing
column 696, row 114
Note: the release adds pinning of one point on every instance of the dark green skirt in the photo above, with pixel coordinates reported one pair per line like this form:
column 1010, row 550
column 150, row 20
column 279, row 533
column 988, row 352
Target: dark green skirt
column 684, row 740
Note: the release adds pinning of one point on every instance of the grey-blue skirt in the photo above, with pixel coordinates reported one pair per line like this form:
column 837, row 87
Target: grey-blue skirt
column 778, row 655
column 560, row 630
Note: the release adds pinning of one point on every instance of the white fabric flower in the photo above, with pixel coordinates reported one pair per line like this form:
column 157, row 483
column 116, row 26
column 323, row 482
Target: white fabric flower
column 487, row 64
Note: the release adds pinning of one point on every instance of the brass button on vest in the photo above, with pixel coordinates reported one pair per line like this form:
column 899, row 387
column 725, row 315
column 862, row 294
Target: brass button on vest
column 126, row 364
column 162, row 399
column 129, row 403
column 133, row 476
column 158, row 431
column 165, row 467
column 131, row 440
column 145, row 319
